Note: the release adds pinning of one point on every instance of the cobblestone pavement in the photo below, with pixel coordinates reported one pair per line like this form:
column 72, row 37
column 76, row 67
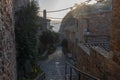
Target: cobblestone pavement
column 54, row 66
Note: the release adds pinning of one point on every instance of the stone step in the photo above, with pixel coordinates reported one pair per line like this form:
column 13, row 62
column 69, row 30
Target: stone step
column 55, row 77
column 62, row 77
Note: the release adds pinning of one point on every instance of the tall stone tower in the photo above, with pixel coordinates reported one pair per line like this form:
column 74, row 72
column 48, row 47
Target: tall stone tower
column 115, row 31
column 7, row 43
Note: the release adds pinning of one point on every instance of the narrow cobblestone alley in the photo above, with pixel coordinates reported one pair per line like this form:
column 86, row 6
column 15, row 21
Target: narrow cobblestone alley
column 59, row 39
column 54, row 66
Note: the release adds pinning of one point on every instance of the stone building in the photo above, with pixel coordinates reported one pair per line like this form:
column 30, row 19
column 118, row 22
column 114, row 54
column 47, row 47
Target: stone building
column 7, row 42
column 92, row 28
column 94, row 59
column 102, row 64
column 45, row 23
column 115, row 32
column 20, row 3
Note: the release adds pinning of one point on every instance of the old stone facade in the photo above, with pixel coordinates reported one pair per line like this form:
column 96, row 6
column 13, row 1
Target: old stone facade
column 86, row 25
column 115, row 32
column 7, row 43
column 97, row 62
column 93, row 29
column 20, row 3
column 95, row 26
column 91, row 58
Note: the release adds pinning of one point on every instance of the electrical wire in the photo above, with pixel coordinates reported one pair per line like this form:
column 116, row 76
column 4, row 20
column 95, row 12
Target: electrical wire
column 59, row 10
column 66, row 8
column 61, row 18
column 55, row 18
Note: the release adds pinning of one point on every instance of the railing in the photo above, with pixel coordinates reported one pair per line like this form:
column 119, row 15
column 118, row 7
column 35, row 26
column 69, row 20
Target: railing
column 40, row 77
column 103, row 45
column 79, row 73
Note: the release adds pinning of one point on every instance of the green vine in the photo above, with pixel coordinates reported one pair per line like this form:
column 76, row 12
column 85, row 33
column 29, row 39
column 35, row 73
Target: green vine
column 26, row 26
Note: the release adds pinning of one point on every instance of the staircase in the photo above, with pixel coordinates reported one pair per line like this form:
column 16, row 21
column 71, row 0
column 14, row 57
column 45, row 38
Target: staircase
column 61, row 67
column 73, row 73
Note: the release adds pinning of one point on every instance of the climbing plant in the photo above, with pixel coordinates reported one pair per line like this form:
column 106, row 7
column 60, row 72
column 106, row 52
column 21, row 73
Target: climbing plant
column 26, row 26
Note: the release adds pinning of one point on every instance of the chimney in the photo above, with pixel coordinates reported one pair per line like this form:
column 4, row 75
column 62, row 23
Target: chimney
column 44, row 14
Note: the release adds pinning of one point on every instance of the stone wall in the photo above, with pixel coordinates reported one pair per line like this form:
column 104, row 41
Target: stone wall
column 115, row 32
column 97, row 63
column 98, row 24
column 20, row 3
column 100, row 63
column 7, row 43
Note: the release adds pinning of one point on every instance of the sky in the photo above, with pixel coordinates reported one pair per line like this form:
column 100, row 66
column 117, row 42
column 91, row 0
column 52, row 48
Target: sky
column 52, row 5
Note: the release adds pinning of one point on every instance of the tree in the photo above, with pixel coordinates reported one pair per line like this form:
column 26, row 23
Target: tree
column 26, row 26
column 49, row 39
